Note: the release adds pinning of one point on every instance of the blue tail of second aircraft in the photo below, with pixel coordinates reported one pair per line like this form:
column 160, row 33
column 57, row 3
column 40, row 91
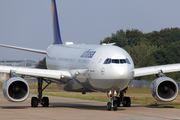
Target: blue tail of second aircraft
column 56, row 30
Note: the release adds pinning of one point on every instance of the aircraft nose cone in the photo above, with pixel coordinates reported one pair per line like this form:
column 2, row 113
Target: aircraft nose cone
column 124, row 72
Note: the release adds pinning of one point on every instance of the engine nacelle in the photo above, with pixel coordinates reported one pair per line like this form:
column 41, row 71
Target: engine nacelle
column 16, row 89
column 164, row 89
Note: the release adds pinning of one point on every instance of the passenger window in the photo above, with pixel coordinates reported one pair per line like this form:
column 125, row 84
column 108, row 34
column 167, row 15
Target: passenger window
column 115, row 61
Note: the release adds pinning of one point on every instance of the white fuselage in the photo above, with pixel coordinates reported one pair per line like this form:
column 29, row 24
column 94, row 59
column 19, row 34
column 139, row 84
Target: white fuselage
column 93, row 67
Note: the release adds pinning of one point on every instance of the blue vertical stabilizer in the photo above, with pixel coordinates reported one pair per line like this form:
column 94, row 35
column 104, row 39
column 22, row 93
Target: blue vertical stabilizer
column 56, row 30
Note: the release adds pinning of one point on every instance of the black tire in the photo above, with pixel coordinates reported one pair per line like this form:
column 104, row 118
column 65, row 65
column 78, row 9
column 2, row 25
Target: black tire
column 127, row 102
column 108, row 106
column 34, row 102
column 115, row 106
column 45, row 101
column 118, row 101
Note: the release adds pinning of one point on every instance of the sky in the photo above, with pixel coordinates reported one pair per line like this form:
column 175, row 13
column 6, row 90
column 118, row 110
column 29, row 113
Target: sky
column 28, row 23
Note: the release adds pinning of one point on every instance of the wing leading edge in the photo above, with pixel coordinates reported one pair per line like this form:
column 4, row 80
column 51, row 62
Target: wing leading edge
column 57, row 75
column 25, row 49
column 156, row 69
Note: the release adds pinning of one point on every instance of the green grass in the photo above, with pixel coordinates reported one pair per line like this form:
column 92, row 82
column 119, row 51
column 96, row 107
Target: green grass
column 52, row 90
column 139, row 95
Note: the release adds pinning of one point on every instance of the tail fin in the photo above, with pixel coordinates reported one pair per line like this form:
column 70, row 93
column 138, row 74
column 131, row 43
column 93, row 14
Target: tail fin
column 56, row 30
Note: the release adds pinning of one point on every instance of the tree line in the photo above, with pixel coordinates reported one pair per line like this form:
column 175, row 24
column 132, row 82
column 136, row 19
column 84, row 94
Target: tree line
column 149, row 49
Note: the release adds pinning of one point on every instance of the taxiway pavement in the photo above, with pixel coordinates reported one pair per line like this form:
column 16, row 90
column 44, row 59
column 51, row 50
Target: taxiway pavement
column 75, row 109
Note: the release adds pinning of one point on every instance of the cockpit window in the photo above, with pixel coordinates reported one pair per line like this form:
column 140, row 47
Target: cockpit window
column 122, row 61
column 127, row 61
column 107, row 61
column 116, row 61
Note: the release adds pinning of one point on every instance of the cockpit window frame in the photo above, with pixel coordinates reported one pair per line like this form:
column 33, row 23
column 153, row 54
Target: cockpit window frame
column 122, row 61
column 127, row 60
column 117, row 61
column 107, row 61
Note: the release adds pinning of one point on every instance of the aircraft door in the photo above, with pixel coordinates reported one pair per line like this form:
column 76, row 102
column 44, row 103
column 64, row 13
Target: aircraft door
column 95, row 60
column 93, row 65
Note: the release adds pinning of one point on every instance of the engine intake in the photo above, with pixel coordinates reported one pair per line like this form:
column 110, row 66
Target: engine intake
column 16, row 89
column 164, row 89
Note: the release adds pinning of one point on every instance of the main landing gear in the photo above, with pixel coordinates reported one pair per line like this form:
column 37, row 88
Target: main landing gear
column 44, row 101
column 117, row 101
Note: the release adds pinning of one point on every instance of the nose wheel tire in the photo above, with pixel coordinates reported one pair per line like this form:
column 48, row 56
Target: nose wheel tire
column 115, row 106
column 118, row 101
column 108, row 106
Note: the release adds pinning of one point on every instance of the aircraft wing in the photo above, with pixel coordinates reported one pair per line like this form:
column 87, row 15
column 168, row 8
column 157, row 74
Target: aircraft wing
column 25, row 49
column 156, row 69
column 56, row 75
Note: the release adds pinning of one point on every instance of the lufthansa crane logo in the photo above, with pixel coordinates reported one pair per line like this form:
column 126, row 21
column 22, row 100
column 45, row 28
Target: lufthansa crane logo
column 53, row 10
column 102, row 71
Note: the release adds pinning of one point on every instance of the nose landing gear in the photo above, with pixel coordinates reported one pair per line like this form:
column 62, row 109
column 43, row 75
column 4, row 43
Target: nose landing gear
column 117, row 101
column 113, row 104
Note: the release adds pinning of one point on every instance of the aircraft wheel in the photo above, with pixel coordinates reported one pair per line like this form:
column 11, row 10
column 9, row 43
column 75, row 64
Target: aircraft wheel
column 118, row 101
column 45, row 101
column 115, row 106
column 127, row 102
column 34, row 102
column 108, row 106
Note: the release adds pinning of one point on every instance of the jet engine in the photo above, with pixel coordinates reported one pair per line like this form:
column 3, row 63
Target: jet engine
column 164, row 89
column 16, row 89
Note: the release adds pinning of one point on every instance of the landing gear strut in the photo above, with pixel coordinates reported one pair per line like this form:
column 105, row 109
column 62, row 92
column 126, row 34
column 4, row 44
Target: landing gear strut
column 117, row 101
column 44, row 101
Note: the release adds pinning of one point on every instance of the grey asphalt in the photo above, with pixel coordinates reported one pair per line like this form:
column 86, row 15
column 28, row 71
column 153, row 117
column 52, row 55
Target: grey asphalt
column 76, row 109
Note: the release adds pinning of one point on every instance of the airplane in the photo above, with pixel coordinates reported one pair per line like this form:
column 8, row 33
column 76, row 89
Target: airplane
column 86, row 68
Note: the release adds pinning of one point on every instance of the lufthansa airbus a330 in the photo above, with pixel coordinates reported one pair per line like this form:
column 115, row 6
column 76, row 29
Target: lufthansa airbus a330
column 86, row 68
